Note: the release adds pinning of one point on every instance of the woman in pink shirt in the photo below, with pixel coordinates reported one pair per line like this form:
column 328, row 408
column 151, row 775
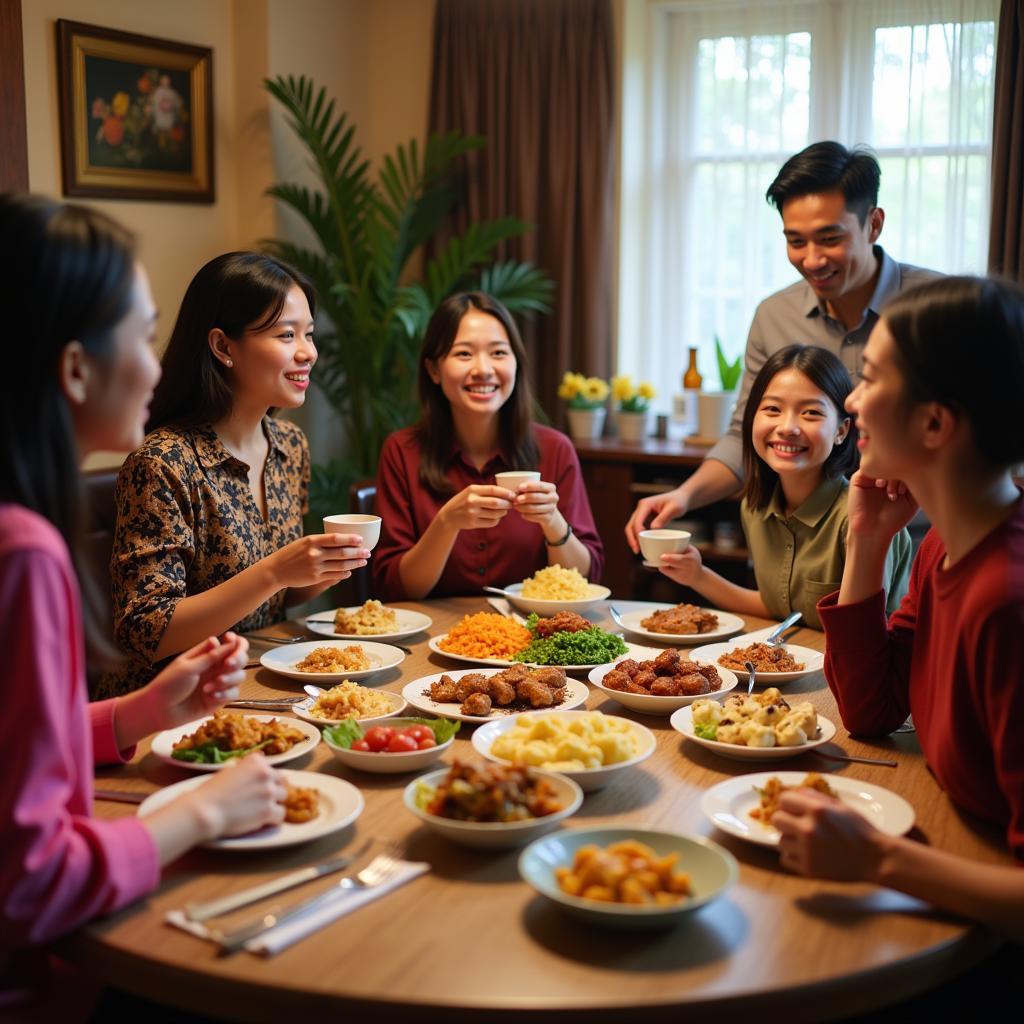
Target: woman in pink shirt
column 82, row 378
column 446, row 524
column 938, row 415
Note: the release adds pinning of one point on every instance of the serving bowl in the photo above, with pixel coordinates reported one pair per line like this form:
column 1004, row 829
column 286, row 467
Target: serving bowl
column 535, row 604
column 383, row 763
column 653, row 704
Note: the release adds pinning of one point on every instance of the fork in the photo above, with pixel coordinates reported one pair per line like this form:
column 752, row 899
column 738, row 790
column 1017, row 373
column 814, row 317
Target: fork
column 378, row 871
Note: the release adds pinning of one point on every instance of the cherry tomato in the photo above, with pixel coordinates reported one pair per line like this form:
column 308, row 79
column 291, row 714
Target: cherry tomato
column 360, row 745
column 426, row 743
column 419, row 732
column 378, row 737
column 401, row 743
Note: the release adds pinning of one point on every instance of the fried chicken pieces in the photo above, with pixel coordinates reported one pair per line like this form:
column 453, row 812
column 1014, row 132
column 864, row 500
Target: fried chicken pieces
column 562, row 622
column 682, row 619
column 478, row 694
column 668, row 675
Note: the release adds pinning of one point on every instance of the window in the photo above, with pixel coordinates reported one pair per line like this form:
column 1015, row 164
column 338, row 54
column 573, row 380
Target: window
column 718, row 94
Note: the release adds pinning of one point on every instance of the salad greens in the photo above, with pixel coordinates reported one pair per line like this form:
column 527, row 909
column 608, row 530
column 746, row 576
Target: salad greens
column 586, row 647
column 706, row 730
column 347, row 731
column 210, row 753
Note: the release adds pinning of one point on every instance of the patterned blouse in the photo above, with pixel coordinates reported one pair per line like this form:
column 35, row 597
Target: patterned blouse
column 186, row 522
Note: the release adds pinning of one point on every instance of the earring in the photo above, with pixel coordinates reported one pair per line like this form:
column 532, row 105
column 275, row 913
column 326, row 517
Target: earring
column 229, row 363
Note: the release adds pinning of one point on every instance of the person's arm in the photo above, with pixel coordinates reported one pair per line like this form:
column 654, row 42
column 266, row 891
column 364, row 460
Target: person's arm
column 687, row 568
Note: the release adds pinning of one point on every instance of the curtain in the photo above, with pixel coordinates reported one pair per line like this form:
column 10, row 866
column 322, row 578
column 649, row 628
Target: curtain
column 535, row 78
column 1006, row 238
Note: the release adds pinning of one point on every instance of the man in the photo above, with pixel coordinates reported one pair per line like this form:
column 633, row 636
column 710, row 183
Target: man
column 827, row 196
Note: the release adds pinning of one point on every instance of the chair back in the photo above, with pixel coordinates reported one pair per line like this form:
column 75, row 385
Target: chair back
column 98, row 485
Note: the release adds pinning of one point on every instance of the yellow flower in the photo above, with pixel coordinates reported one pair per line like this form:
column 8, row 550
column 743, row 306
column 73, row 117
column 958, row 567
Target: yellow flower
column 120, row 104
column 622, row 388
column 595, row 389
column 646, row 390
column 570, row 386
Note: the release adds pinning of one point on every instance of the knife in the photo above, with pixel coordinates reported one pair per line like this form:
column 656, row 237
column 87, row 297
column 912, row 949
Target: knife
column 214, row 908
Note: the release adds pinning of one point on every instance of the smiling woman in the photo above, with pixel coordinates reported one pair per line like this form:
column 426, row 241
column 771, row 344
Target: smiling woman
column 209, row 509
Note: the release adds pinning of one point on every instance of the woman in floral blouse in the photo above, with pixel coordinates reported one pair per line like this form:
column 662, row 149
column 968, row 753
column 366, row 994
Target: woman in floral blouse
column 209, row 509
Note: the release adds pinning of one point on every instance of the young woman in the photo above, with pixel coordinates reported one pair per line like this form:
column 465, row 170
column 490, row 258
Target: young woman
column 85, row 374
column 937, row 410
column 209, row 509
column 447, row 527
column 797, row 450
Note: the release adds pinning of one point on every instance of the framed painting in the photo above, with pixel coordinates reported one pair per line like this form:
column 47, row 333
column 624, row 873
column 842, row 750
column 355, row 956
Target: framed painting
column 136, row 115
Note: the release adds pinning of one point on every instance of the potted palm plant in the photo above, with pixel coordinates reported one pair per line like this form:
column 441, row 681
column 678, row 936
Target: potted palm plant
column 367, row 230
column 715, row 408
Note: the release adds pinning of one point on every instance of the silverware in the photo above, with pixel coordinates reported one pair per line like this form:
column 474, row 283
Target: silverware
column 379, row 870
column 273, row 639
column 313, row 690
column 224, row 905
column 749, row 666
column 270, row 704
column 616, row 617
column 120, row 796
column 774, row 638
column 496, row 590
column 885, row 762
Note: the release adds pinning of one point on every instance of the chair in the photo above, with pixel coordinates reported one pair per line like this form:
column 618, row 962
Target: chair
column 362, row 499
column 98, row 486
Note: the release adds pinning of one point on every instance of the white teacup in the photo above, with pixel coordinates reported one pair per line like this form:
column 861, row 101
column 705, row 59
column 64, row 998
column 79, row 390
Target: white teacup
column 368, row 527
column 655, row 543
column 514, row 477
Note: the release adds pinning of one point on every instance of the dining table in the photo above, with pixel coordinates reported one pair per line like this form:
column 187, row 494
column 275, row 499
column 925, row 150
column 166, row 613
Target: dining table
column 470, row 940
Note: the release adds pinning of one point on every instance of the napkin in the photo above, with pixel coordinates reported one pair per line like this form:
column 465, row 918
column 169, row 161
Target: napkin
column 337, row 903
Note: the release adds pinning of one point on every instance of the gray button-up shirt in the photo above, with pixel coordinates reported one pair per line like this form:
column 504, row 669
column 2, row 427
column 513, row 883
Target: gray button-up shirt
column 796, row 316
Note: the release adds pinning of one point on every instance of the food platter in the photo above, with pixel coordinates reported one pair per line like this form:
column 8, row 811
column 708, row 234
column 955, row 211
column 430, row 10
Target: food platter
column 630, row 620
column 632, row 651
column 409, row 622
column 283, row 660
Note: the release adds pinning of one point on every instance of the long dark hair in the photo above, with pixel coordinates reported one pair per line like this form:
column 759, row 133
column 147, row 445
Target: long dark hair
column 827, row 373
column 959, row 341
column 237, row 292
column 436, row 430
column 69, row 277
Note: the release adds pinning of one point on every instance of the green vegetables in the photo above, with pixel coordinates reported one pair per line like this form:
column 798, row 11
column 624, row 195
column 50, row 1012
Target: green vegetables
column 210, row 753
column 586, row 647
column 346, row 732
column 706, row 731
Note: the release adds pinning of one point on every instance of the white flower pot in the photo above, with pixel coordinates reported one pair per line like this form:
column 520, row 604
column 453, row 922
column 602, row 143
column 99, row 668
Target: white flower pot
column 633, row 426
column 586, row 424
column 714, row 411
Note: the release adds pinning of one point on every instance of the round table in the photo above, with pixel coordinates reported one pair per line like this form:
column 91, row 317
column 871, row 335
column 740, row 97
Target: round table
column 470, row 939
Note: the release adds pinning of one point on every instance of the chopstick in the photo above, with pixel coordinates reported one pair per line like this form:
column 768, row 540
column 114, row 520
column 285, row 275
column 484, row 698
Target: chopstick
column 122, row 796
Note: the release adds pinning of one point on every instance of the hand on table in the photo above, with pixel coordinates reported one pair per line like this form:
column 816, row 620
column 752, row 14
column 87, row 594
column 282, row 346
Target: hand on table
column 244, row 796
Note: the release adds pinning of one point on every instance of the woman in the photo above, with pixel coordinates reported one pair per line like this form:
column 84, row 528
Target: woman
column 942, row 419
column 209, row 509
column 797, row 450
column 435, row 490
column 85, row 376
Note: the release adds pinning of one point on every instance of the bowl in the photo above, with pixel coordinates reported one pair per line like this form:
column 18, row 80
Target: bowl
column 655, row 543
column 495, row 835
column 652, row 704
column 389, row 764
column 513, row 478
column 712, row 870
column 534, row 604
column 366, row 526
column 588, row 778
column 682, row 722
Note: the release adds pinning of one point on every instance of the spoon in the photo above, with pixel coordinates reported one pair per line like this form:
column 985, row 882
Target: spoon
column 312, row 690
column 496, row 590
column 616, row 617
column 274, row 639
column 749, row 666
column 774, row 638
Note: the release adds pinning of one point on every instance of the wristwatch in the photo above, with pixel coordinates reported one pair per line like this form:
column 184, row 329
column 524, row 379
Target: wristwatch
column 561, row 540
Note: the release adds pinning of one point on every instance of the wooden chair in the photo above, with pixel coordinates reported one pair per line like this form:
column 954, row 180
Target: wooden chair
column 98, row 485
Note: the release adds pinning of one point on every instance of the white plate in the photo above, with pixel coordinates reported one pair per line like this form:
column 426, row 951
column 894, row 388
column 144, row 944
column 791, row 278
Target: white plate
column 682, row 721
column 652, row 704
column 728, row 805
column 163, row 743
column 588, row 778
column 632, row 651
column 814, row 661
column 576, row 694
column 283, row 660
column 727, row 625
column 409, row 622
column 397, row 707
column 340, row 804
column 541, row 607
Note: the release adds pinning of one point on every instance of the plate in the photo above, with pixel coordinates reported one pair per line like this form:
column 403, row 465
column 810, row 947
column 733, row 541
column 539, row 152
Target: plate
column 409, row 622
column 340, row 804
column 728, row 624
column 163, row 743
column 682, row 721
column 632, row 651
column 814, row 661
column 575, row 695
column 283, row 660
column 534, row 604
column 397, row 707
column 712, row 870
column 652, row 704
column 728, row 804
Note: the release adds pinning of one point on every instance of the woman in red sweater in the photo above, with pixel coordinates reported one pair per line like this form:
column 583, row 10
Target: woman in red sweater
column 937, row 410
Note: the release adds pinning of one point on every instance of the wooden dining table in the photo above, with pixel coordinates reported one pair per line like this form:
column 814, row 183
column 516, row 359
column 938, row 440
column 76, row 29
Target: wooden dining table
column 471, row 940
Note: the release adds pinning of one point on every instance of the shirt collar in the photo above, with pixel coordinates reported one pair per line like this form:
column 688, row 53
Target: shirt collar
column 813, row 510
column 495, row 463
column 211, row 451
column 887, row 285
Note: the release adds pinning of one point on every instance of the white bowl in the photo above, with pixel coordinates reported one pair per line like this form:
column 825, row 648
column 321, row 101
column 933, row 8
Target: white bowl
column 398, row 705
column 389, row 764
column 366, row 526
column 655, row 543
column 533, row 604
column 682, row 721
column 283, row 660
column 712, row 870
column 588, row 778
column 512, row 478
column 652, row 704
column 495, row 835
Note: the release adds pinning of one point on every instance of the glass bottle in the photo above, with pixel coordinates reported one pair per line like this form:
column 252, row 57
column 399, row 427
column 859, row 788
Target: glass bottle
column 692, row 379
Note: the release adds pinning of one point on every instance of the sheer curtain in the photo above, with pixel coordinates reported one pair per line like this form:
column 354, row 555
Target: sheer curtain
column 724, row 92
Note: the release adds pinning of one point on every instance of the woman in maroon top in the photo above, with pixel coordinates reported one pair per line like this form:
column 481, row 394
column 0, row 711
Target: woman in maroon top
column 941, row 423
column 447, row 527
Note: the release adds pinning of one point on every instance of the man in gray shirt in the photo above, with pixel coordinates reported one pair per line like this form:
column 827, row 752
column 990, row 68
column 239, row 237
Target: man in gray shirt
column 827, row 196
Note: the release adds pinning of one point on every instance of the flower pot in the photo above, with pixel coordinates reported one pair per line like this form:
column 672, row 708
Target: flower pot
column 586, row 424
column 714, row 411
column 633, row 426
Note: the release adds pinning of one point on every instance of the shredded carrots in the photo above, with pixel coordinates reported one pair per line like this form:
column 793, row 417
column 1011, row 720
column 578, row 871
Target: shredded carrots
column 486, row 635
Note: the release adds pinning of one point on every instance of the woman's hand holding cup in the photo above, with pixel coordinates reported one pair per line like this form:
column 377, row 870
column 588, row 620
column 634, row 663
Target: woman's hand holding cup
column 321, row 558
column 476, row 507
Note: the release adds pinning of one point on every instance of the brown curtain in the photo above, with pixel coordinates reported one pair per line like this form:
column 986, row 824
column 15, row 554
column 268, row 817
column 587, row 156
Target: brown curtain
column 1006, row 238
column 536, row 79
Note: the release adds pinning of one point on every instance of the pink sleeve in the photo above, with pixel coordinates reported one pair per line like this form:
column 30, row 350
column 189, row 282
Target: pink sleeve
column 398, row 529
column 60, row 867
column 104, row 745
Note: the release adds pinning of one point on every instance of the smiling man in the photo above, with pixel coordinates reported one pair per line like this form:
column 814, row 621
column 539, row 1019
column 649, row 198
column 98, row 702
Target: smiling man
column 827, row 196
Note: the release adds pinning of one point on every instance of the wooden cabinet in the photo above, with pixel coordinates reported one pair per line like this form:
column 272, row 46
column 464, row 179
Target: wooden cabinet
column 617, row 476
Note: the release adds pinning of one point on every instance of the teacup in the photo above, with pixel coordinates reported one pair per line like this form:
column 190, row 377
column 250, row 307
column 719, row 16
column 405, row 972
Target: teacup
column 655, row 543
column 513, row 478
column 368, row 527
